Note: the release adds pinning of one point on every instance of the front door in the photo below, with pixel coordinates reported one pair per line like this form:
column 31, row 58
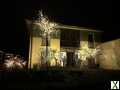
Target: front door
column 70, row 59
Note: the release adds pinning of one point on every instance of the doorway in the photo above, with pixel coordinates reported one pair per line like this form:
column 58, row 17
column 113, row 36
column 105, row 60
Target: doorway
column 70, row 59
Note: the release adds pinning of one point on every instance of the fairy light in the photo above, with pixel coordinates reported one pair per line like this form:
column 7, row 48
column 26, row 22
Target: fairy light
column 87, row 53
column 14, row 62
column 45, row 25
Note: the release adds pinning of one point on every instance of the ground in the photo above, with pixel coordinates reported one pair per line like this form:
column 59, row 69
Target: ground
column 60, row 79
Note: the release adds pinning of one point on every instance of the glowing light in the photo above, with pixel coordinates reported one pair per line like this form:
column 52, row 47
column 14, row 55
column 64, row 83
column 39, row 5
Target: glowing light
column 87, row 53
column 14, row 62
column 53, row 62
column 9, row 64
column 45, row 25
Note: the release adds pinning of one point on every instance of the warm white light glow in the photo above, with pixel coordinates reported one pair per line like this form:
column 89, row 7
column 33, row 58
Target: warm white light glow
column 45, row 25
column 53, row 62
column 9, row 64
column 87, row 53
column 14, row 63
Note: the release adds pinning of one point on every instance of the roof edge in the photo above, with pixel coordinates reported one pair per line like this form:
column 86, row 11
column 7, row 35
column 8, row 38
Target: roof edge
column 61, row 26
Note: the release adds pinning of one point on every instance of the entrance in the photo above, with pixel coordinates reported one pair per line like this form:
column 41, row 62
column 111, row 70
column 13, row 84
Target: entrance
column 70, row 59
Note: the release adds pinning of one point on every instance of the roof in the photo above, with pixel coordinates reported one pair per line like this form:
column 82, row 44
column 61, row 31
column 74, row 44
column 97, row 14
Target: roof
column 77, row 28
column 62, row 26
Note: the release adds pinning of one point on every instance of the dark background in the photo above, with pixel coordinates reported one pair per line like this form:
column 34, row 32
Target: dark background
column 96, row 14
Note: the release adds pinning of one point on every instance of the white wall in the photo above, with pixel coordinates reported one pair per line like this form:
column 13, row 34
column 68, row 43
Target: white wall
column 36, row 49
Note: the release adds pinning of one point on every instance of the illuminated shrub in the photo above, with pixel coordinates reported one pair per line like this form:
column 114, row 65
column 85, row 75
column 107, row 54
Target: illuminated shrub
column 14, row 62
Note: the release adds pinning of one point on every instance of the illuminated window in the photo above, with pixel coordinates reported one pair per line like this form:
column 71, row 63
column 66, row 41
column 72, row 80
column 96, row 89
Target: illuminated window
column 63, row 57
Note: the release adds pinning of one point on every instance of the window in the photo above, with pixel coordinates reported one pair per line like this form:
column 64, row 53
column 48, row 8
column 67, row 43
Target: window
column 45, row 41
column 55, row 34
column 70, row 38
column 91, row 40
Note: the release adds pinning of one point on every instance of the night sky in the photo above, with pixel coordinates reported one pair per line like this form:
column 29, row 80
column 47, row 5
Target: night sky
column 95, row 14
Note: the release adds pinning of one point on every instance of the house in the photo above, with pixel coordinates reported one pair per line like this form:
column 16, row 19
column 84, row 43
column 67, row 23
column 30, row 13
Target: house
column 61, row 47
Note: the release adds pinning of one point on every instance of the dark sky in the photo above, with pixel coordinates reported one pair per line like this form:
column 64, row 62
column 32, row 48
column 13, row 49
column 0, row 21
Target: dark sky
column 86, row 13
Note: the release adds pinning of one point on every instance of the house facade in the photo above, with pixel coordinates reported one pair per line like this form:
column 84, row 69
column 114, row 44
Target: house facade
column 61, row 47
